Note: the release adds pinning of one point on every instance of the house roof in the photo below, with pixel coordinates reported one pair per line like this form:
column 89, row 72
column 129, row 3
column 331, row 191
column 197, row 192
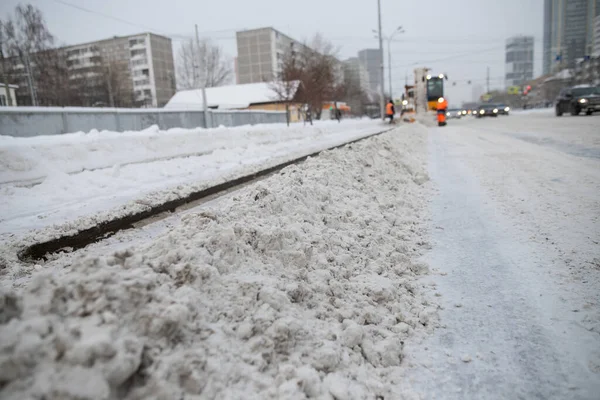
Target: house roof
column 226, row 97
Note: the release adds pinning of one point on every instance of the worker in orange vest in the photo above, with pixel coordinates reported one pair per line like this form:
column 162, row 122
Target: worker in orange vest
column 442, row 108
column 390, row 111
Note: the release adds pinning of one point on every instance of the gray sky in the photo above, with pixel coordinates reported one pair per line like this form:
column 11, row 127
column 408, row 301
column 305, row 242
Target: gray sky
column 458, row 37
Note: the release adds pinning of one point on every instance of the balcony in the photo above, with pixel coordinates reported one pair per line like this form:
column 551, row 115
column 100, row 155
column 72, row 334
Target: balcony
column 137, row 46
column 142, row 83
column 141, row 63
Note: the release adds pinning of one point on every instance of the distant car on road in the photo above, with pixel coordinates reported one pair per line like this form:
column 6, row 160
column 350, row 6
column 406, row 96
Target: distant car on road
column 487, row 110
column 453, row 113
column 577, row 99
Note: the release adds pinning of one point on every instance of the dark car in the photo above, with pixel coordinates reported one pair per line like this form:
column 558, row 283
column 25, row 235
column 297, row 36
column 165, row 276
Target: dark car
column 577, row 99
column 503, row 109
column 487, row 110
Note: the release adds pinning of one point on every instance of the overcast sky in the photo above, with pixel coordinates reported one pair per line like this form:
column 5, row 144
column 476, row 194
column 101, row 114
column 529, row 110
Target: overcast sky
column 458, row 37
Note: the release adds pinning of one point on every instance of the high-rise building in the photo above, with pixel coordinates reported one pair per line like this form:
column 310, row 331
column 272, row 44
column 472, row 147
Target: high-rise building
column 371, row 60
column 356, row 72
column 568, row 31
column 519, row 60
column 261, row 52
column 596, row 49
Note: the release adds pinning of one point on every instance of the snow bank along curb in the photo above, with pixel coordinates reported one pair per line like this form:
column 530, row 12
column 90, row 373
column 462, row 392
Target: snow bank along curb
column 31, row 159
column 299, row 286
column 106, row 228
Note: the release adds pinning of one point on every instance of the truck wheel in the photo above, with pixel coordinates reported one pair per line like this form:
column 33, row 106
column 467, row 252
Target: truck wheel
column 575, row 110
column 558, row 111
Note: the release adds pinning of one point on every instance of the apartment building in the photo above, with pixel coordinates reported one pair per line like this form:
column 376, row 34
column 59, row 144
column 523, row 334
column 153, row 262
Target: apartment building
column 260, row 54
column 519, row 60
column 371, row 60
column 141, row 65
column 126, row 71
column 356, row 72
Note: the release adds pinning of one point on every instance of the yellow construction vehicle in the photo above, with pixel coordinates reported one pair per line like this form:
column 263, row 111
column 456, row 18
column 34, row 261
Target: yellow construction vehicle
column 435, row 90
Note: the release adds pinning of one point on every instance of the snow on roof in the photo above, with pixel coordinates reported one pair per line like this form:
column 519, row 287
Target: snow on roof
column 226, row 97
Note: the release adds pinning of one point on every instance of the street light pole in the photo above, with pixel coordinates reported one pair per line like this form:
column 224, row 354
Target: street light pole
column 381, row 79
column 390, row 68
column 398, row 30
column 202, row 80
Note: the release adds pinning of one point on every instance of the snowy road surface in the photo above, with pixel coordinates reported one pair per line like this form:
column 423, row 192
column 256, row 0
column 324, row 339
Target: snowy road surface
column 515, row 235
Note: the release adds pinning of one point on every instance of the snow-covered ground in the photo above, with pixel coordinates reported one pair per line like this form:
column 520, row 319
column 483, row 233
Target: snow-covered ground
column 78, row 179
column 515, row 233
column 298, row 286
column 312, row 283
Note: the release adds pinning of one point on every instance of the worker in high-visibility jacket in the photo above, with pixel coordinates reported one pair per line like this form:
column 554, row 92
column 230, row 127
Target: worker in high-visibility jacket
column 390, row 111
column 442, row 108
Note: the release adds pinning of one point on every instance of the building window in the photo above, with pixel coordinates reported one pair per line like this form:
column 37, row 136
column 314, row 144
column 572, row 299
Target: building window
column 138, row 52
column 3, row 102
column 133, row 42
column 141, row 61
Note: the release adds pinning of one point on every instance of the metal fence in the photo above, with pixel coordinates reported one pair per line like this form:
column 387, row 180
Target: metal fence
column 36, row 121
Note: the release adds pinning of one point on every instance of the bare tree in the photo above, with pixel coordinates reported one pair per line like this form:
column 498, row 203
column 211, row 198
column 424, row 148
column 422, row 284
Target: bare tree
column 25, row 35
column 116, row 83
column 204, row 64
column 286, row 81
column 51, row 74
column 320, row 74
column 4, row 66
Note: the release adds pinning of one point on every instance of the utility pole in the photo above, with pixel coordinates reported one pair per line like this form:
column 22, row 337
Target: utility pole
column 390, row 68
column 389, row 39
column 202, row 81
column 382, row 91
column 487, row 79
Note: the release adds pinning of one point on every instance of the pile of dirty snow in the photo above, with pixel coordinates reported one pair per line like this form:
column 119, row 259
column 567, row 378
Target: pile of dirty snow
column 117, row 174
column 302, row 285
